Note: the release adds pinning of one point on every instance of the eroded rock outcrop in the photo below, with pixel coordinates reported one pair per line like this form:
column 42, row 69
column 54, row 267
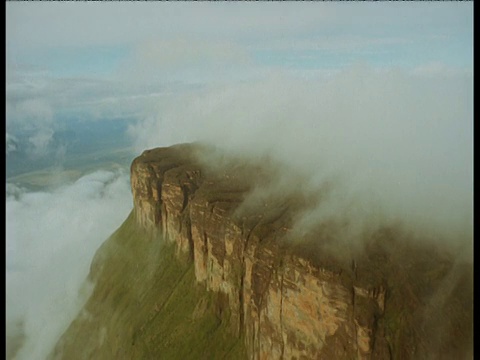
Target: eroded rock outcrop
column 284, row 300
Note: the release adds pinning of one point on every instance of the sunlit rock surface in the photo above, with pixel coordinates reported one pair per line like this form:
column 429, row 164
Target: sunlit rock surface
column 279, row 295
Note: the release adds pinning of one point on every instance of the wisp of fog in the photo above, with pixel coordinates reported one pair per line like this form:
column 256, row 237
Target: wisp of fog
column 397, row 143
column 51, row 238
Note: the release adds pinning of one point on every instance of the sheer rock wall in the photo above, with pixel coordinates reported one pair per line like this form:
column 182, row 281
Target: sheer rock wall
column 285, row 306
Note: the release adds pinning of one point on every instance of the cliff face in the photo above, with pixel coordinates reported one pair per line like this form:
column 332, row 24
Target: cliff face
column 199, row 270
column 284, row 304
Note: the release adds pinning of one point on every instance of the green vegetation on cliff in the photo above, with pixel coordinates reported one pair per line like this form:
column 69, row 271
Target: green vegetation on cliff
column 146, row 305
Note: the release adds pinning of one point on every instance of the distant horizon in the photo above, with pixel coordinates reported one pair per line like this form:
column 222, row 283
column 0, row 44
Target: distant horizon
column 98, row 58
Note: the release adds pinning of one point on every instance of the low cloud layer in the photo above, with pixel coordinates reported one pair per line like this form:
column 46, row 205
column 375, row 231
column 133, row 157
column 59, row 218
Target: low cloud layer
column 396, row 143
column 51, row 238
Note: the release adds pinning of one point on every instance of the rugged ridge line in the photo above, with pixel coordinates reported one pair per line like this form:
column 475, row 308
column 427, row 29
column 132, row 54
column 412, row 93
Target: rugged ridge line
column 284, row 305
column 293, row 302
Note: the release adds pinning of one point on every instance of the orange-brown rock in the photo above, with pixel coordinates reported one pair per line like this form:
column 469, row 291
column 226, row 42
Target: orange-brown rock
column 291, row 301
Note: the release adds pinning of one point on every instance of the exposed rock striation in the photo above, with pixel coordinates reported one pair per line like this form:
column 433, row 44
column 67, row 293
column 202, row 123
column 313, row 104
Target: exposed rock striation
column 210, row 265
column 286, row 299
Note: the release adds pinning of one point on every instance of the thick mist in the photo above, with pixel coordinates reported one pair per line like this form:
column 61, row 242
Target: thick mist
column 51, row 238
column 394, row 146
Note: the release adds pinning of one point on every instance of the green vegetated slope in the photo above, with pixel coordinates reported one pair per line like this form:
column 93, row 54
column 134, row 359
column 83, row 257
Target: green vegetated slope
column 146, row 305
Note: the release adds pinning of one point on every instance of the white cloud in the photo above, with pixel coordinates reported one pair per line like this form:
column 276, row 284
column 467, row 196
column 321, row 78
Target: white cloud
column 35, row 112
column 437, row 69
column 119, row 24
column 336, row 43
column 188, row 59
column 176, row 53
column 406, row 139
column 196, row 42
column 51, row 238
column 37, row 101
column 41, row 140
column 11, row 143
column 35, row 115
column 124, row 23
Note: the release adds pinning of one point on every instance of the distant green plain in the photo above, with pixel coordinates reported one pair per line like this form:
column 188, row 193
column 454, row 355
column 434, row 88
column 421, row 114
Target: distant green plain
column 76, row 166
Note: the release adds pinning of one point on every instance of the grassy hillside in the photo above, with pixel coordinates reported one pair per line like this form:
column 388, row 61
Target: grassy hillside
column 146, row 305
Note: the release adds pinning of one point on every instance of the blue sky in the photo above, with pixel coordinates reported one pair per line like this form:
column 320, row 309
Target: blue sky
column 68, row 62
column 92, row 39
column 65, row 57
